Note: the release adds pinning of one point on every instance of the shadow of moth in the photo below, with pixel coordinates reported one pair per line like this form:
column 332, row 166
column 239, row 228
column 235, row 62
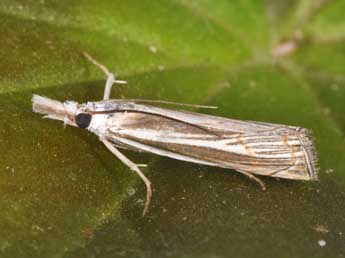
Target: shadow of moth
column 251, row 148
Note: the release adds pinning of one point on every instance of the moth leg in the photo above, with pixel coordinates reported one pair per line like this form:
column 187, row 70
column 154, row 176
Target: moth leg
column 111, row 77
column 256, row 179
column 135, row 168
column 109, row 83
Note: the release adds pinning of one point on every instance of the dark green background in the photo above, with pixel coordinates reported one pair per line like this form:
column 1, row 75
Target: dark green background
column 62, row 194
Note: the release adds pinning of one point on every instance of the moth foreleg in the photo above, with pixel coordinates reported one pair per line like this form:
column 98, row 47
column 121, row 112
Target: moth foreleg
column 135, row 168
column 109, row 84
column 111, row 77
column 256, row 179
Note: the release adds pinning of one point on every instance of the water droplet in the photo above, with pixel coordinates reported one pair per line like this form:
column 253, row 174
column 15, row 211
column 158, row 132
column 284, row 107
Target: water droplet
column 321, row 242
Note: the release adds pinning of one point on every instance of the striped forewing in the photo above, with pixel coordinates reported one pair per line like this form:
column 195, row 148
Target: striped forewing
column 252, row 147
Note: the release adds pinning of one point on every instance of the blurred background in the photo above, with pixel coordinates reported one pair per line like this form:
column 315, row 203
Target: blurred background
column 63, row 195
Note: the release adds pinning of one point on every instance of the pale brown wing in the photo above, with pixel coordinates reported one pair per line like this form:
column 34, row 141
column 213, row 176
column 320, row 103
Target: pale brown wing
column 280, row 151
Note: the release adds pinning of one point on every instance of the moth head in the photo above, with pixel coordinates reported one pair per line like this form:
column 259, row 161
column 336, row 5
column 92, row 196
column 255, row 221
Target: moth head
column 70, row 112
column 83, row 120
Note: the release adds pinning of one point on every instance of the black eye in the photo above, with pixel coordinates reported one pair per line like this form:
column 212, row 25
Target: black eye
column 83, row 120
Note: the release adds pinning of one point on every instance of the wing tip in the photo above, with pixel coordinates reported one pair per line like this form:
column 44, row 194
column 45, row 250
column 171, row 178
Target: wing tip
column 308, row 144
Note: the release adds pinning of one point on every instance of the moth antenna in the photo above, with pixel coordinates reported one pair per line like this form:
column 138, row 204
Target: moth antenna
column 171, row 103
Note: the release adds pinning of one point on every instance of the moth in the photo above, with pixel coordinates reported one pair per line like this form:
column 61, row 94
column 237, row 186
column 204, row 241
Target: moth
column 251, row 148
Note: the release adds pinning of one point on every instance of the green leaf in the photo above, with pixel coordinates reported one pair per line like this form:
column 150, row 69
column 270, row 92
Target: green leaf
column 64, row 195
